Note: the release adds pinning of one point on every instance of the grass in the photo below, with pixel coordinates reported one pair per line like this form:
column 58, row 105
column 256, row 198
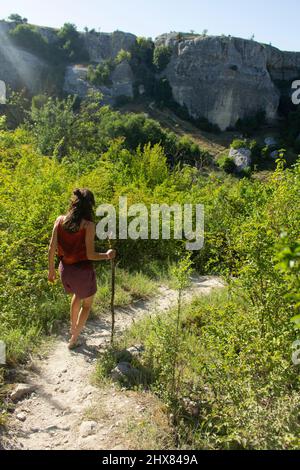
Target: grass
column 243, row 385
column 137, row 419
column 130, row 287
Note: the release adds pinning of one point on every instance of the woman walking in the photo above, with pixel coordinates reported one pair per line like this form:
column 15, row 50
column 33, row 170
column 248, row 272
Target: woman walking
column 73, row 241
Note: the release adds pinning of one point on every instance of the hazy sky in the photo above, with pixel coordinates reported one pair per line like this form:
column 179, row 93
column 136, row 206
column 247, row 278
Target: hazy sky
column 274, row 21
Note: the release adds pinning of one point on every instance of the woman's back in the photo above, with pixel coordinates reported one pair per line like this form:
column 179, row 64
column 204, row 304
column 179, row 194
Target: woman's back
column 71, row 246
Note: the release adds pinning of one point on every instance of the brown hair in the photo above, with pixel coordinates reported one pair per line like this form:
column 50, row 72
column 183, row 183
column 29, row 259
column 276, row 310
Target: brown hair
column 81, row 207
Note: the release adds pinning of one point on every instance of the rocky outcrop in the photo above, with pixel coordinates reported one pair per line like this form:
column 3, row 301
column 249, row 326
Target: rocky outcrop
column 221, row 79
column 284, row 66
column 241, row 158
column 76, row 83
column 19, row 68
column 225, row 79
column 123, row 80
column 103, row 46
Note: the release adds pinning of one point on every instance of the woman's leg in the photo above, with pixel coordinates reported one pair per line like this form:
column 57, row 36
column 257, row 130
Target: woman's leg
column 82, row 318
column 74, row 312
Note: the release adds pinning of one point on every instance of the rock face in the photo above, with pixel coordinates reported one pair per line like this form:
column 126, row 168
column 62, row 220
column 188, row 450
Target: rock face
column 102, row 46
column 19, row 68
column 122, row 83
column 241, row 158
column 224, row 79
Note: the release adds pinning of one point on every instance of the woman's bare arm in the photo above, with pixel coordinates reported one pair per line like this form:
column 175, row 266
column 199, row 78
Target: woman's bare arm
column 92, row 255
column 51, row 254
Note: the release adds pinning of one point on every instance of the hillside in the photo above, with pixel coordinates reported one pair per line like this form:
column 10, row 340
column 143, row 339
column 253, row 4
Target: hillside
column 215, row 81
column 176, row 163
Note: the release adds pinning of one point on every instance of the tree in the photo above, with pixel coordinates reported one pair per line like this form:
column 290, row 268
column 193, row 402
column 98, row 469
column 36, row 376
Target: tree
column 142, row 51
column 161, row 57
column 122, row 56
column 28, row 37
column 72, row 43
column 53, row 121
column 15, row 18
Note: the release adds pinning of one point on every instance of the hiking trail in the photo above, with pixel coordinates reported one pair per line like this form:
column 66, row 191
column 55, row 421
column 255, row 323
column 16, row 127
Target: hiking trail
column 66, row 411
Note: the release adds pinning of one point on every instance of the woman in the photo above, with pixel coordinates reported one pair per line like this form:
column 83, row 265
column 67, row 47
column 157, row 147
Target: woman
column 73, row 240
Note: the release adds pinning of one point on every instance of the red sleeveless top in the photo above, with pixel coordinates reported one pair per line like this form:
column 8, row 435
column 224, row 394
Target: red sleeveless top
column 71, row 246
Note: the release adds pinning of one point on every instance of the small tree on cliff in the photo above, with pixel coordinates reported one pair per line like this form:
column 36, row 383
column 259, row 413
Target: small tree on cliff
column 15, row 18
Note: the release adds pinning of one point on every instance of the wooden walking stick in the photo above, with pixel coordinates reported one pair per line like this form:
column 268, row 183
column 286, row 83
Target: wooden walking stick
column 113, row 289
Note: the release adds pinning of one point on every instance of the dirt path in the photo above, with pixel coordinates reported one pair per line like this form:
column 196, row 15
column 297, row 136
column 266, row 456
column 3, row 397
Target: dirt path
column 66, row 411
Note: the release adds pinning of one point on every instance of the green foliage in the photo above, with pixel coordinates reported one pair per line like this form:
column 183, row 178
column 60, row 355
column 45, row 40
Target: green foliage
column 289, row 263
column 28, row 37
column 234, row 388
column 161, row 57
column 142, row 64
column 130, row 287
column 240, row 143
column 223, row 364
column 72, row 44
column 3, row 124
column 227, row 164
column 83, row 134
column 101, row 74
column 142, row 51
column 16, row 18
column 52, row 124
column 122, row 56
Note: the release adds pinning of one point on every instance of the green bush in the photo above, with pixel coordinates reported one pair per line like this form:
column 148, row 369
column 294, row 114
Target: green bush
column 227, row 164
column 71, row 44
column 122, row 56
column 15, row 18
column 28, row 37
column 101, row 74
column 161, row 57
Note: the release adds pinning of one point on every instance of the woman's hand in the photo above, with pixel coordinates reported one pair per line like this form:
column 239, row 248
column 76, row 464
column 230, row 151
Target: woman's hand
column 52, row 275
column 111, row 254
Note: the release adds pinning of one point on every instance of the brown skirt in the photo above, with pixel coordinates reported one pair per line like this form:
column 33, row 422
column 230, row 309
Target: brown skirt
column 78, row 279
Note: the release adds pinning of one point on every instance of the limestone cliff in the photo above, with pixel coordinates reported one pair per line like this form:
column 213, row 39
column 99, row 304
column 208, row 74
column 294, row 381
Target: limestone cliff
column 19, row 68
column 220, row 78
column 225, row 78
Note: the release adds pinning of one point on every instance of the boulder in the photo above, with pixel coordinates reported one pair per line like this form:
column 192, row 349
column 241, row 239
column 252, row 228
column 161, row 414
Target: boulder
column 124, row 370
column 270, row 141
column 136, row 350
column 274, row 155
column 87, row 428
column 21, row 390
column 21, row 416
column 241, row 158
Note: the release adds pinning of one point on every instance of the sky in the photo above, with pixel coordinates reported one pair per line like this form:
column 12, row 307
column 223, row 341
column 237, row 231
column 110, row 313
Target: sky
column 270, row 21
